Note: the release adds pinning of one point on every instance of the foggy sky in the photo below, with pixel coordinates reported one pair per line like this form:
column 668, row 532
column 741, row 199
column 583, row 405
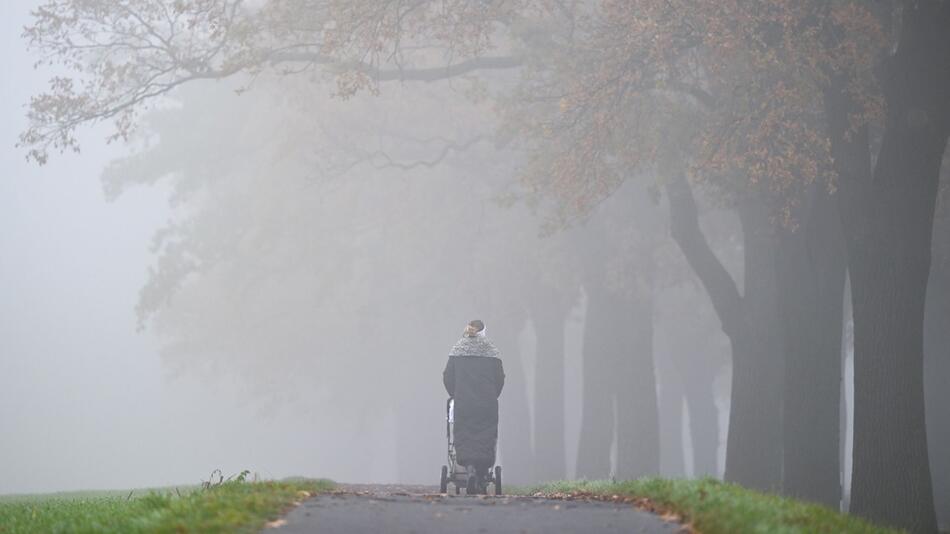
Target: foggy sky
column 85, row 401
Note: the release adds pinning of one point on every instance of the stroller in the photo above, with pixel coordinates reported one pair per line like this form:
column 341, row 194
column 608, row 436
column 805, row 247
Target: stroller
column 457, row 474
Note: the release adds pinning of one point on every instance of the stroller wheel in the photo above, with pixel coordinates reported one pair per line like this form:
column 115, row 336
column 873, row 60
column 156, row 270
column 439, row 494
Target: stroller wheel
column 497, row 480
column 444, row 484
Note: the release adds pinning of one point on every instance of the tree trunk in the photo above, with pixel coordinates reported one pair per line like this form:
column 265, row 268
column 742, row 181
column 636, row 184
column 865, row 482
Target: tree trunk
column 754, row 450
column 891, row 477
column 845, row 413
column 602, row 342
column 619, row 378
column 689, row 370
column 549, row 315
column 638, row 426
column 670, row 401
column 698, row 381
column 812, row 272
column 937, row 366
column 888, row 223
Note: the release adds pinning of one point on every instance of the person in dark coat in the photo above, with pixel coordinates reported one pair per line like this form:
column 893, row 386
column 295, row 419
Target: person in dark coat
column 474, row 377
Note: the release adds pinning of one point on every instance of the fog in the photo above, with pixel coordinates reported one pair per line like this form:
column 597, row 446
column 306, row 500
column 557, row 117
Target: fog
column 86, row 401
column 268, row 273
column 306, row 374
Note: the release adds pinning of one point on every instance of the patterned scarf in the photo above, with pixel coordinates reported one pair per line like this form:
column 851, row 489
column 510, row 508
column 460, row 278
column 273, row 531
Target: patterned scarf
column 474, row 346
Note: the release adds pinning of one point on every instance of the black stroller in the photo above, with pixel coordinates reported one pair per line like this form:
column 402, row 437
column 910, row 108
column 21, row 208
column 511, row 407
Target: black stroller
column 459, row 475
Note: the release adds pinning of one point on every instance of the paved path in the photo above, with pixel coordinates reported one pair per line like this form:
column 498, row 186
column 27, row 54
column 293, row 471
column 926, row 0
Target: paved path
column 417, row 510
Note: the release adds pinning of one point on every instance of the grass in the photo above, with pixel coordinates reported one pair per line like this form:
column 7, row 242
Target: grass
column 714, row 507
column 234, row 506
column 92, row 494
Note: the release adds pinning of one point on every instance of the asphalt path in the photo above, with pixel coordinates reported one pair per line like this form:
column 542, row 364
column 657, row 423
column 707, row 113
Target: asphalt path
column 418, row 510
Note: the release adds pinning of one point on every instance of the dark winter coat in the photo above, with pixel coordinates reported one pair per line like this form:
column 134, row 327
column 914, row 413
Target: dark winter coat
column 474, row 377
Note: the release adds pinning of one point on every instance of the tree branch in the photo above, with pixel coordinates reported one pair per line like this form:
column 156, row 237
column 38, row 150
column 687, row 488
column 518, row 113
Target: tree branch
column 388, row 162
column 430, row 74
column 685, row 230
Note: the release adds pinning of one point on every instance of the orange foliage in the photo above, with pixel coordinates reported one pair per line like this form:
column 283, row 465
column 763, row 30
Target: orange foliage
column 729, row 88
column 732, row 88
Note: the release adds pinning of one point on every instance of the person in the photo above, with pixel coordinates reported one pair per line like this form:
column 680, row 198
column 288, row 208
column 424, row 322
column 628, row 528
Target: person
column 474, row 377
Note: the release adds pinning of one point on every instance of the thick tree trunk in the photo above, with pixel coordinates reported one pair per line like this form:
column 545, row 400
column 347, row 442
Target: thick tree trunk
column 670, row 402
column 619, row 393
column 937, row 365
column 549, row 314
column 602, row 342
column 812, row 273
column 688, row 371
column 638, row 426
column 888, row 223
column 514, row 426
column 698, row 381
column 619, row 381
column 754, row 450
column 891, row 477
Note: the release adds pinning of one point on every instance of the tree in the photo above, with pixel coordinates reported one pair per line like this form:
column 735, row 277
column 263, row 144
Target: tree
column 888, row 217
column 619, row 384
column 692, row 347
column 618, row 88
column 811, row 271
column 753, row 453
column 126, row 55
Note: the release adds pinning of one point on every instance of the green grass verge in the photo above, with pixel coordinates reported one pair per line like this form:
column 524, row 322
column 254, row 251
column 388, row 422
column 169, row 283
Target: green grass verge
column 93, row 494
column 235, row 506
column 714, row 507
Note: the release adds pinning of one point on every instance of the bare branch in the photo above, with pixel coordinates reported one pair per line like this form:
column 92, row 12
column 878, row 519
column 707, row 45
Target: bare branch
column 430, row 74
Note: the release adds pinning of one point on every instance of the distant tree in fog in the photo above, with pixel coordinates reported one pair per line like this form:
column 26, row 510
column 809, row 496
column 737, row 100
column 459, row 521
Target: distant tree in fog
column 619, row 244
